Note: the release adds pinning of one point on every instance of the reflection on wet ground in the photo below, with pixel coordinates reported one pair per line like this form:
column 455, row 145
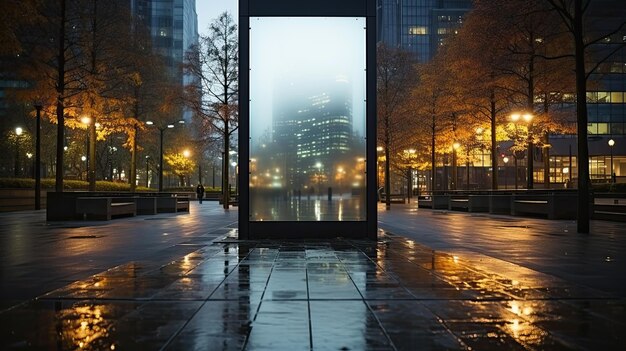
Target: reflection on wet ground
column 394, row 294
column 342, row 207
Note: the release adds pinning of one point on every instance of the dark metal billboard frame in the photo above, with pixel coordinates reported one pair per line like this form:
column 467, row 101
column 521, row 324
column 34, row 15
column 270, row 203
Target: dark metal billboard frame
column 309, row 229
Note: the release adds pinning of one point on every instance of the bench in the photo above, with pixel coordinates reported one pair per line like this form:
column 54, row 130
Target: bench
column 172, row 204
column 553, row 205
column 103, row 208
column 500, row 204
column 478, row 203
column 609, row 212
column 458, row 203
column 393, row 198
column 146, row 205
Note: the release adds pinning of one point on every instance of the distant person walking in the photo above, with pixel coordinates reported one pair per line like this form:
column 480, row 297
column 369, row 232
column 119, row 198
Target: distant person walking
column 200, row 192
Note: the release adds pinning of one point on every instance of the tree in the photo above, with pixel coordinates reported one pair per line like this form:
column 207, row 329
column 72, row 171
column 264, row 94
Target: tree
column 180, row 165
column 213, row 95
column 396, row 76
column 585, row 38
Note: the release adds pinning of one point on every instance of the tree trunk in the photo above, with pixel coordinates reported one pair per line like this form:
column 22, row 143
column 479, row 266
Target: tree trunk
column 91, row 173
column 225, row 168
column 494, row 146
column 546, row 160
column 387, row 162
column 60, row 96
column 433, row 160
column 132, row 178
column 581, row 119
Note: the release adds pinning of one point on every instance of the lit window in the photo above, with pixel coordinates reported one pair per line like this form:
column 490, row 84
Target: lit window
column 418, row 30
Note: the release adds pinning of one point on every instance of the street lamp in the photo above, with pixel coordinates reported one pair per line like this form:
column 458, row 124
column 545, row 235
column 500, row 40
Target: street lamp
column 410, row 153
column 527, row 118
column 506, row 160
column 38, row 106
column 611, row 144
column 161, row 129
column 18, row 133
column 82, row 158
column 318, row 165
column 91, row 150
column 455, row 146
column 147, row 171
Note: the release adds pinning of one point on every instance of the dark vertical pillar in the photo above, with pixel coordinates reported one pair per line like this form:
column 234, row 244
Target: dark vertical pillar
column 244, row 119
column 370, row 37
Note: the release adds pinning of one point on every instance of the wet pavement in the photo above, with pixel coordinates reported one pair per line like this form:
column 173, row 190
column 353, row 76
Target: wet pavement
column 439, row 281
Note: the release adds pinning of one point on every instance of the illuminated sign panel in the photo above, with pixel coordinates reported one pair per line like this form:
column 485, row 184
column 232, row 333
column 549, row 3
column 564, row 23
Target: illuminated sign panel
column 307, row 119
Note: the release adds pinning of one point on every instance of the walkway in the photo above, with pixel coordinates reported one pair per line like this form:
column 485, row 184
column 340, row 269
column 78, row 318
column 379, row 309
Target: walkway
column 182, row 282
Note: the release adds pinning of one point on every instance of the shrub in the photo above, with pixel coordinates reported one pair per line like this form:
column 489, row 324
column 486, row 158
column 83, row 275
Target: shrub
column 48, row 183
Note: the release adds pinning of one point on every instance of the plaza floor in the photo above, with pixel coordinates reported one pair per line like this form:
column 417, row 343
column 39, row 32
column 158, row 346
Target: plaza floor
column 434, row 280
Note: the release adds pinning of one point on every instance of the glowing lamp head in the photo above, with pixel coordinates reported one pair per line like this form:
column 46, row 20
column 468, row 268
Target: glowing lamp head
column 456, row 145
column 18, row 131
column 611, row 142
column 505, row 159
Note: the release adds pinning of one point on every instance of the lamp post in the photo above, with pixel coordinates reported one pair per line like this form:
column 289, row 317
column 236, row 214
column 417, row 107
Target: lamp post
column 506, row 160
column 186, row 154
column 318, row 165
column 455, row 147
column 527, row 117
column 16, row 168
column 84, row 159
column 409, row 153
column 378, row 149
column 91, row 153
column 38, row 106
column 611, row 144
column 147, row 171
column 162, row 129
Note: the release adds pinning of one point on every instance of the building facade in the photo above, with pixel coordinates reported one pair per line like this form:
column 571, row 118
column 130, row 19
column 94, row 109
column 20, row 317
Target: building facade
column 419, row 26
column 173, row 26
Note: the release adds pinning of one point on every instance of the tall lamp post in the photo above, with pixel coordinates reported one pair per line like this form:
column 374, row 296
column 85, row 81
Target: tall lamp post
column 506, row 161
column 528, row 118
column 38, row 106
column 16, row 167
column 161, row 130
column 611, row 144
column 147, row 171
column 455, row 146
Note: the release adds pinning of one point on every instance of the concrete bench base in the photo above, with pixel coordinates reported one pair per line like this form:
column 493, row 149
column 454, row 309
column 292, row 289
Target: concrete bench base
column 554, row 206
column 102, row 208
column 172, row 204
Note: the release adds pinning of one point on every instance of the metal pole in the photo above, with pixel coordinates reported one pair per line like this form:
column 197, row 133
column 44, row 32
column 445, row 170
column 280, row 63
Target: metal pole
column 16, row 167
column 611, row 172
column 147, row 171
column 91, row 164
column 161, row 130
column 38, row 106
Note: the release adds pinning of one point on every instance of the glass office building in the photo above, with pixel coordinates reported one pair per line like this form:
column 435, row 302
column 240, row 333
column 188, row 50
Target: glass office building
column 419, row 26
column 173, row 26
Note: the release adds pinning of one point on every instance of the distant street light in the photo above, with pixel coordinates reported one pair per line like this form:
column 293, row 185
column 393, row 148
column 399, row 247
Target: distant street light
column 611, row 144
column 38, row 106
column 506, row 161
column 18, row 133
column 527, row 117
column 161, row 129
column 455, row 146
column 147, row 172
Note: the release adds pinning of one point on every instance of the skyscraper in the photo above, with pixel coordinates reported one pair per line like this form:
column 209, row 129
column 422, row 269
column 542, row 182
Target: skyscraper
column 315, row 126
column 173, row 26
column 419, row 26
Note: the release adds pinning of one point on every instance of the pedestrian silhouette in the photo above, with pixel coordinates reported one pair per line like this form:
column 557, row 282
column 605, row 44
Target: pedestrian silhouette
column 200, row 192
